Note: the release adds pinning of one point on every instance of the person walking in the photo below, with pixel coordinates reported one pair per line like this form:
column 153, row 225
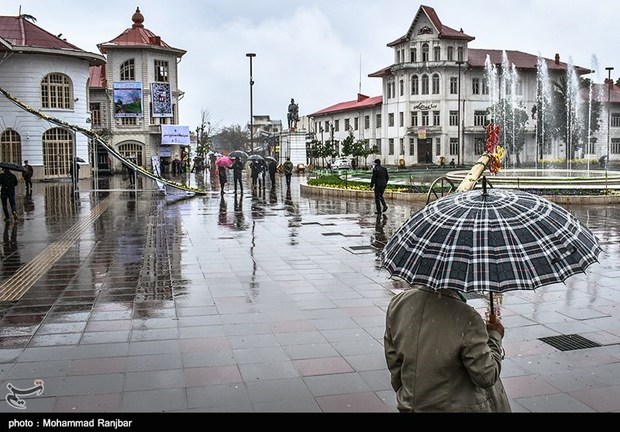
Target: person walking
column 379, row 181
column 273, row 166
column 27, row 176
column 8, row 181
column 237, row 168
column 223, row 178
column 442, row 355
column 254, row 173
column 288, row 171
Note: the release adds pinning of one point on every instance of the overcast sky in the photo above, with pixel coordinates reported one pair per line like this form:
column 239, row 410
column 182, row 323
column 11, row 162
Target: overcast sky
column 320, row 52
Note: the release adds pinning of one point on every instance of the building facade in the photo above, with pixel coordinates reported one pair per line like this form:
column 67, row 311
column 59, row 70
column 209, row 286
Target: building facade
column 51, row 76
column 439, row 94
column 135, row 98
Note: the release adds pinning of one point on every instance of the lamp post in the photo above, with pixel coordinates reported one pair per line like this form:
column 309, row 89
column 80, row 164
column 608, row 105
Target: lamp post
column 610, row 83
column 458, row 141
column 251, row 56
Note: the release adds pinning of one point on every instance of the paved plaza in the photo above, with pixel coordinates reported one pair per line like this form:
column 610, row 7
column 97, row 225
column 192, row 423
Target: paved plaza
column 125, row 300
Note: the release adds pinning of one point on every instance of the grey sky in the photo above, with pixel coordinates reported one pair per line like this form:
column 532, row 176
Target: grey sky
column 320, row 51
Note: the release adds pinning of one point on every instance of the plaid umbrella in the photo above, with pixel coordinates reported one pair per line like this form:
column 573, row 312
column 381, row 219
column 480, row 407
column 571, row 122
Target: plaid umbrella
column 490, row 241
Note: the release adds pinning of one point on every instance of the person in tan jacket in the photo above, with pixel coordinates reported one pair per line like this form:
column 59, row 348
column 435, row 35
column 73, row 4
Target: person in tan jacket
column 441, row 354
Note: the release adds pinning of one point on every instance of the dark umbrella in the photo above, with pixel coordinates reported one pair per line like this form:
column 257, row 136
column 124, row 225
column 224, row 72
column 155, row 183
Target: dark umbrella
column 490, row 241
column 12, row 166
column 271, row 160
column 238, row 154
column 256, row 157
column 79, row 159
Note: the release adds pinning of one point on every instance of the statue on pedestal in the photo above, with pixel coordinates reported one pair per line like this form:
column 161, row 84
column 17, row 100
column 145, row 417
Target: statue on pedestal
column 293, row 115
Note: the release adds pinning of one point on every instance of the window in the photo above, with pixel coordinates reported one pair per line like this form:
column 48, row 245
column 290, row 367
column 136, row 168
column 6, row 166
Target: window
column 425, row 118
column 337, row 125
column 437, row 53
column 438, row 146
column 57, row 152
column 480, row 118
column 454, row 85
column 475, row 85
column 128, row 72
column 425, row 52
column 436, row 118
column 485, row 87
column 132, row 150
column 10, row 147
column 356, row 123
column 391, row 119
column 161, row 70
column 615, row 120
column 366, row 122
column 414, row 55
column 95, row 114
column 391, row 146
column 414, row 118
column 479, row 147
column 401, row 119
column 411, row 146
column 435, row 83
column 326, row 125
column 379, row 146
column 425, row 84
column 56, row 92
column 454, row 146
column 415, row 85
column 378, row 121
column 454, row 118
column 347, row 125
column 128, row 121
column 614, row 147
column 401, row 146
column 401, row 85
column 459, row 55
column 450, row 53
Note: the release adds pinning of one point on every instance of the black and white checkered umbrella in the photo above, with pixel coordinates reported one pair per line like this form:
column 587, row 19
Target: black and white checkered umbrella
column 491, row 240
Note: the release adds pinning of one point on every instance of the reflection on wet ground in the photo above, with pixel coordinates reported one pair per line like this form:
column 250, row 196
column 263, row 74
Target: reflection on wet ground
column 124, row 300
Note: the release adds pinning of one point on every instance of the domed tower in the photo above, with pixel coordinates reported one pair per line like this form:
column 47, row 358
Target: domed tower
column 140, row 96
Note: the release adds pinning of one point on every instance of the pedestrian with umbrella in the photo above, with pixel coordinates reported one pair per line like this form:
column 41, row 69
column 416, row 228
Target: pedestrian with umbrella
column 8, row 182
column 237, row 168
column 441, row 355
column 222, row 175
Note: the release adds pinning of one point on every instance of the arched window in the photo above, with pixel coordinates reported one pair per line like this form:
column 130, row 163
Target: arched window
column 415, row 85
column 56, row 92
column 57, row 152
column 425, row 53
column 128, row 71
column 435, row 83
column 11, row 147
column 425, row 84
column 132, row 151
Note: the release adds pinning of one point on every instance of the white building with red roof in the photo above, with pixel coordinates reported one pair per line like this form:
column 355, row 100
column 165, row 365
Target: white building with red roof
column 439, row 94
column 51, row 76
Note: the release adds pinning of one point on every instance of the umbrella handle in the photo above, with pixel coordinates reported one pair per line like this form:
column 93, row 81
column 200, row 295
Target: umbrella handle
column 492, row 316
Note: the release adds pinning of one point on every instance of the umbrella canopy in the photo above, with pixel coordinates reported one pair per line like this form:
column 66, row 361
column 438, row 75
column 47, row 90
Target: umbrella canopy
column 256, row 157
column 492, row 241
column 12, row 166
column 224, row 161
column 238, row 154
column 271, row 160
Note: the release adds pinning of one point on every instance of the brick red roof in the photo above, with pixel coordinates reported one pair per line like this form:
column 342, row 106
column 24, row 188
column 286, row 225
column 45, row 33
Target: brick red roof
column 443, row 31
column 362, row 101
column 17, row 33
column 97, row 79
column 138, row 36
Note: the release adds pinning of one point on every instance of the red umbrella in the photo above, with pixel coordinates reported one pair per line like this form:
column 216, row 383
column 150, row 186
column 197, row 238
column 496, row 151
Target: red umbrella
column 224, row 161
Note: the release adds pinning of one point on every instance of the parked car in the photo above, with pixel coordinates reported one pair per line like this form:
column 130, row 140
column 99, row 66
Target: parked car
column 341, row 164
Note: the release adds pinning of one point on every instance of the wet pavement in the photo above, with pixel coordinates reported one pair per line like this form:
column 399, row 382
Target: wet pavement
column 136, row 301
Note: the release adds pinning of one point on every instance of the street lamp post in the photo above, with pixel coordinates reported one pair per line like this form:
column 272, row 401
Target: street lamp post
column 251, row 56
column 610, row 83
column 458, row 147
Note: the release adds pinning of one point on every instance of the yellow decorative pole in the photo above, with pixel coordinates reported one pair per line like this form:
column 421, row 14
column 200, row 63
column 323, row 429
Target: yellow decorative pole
column 491, row 159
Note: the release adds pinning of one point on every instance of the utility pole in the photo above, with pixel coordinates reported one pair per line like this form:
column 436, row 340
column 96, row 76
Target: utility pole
column 251, row 56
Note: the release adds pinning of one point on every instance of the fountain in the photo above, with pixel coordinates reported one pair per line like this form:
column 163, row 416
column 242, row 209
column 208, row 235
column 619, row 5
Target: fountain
column 575, row 146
